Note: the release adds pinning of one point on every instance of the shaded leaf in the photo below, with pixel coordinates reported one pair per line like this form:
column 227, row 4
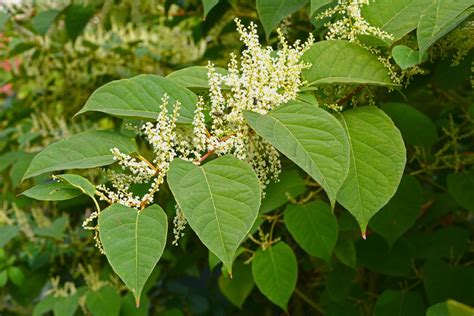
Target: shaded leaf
column 272, row 12
column 103, row 302
column 406, row 57
column 318, row 4
column 237, row 289
column 43, row 21
column 7, row 233
column 276, row 194
column 460, row 186
column 345, row 251
column 399, row 303
column 77, row 17
column 208, row 5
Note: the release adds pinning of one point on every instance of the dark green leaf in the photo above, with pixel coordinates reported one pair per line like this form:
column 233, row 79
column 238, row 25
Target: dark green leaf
column 237, row 289
column 289, row 183
column 43, row 21
column 398, row 303
column 272, row 12
column 77, row 17
column 103, row 302
column 460, row 186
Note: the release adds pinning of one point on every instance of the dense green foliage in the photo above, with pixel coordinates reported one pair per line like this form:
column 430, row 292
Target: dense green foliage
column 333, row 177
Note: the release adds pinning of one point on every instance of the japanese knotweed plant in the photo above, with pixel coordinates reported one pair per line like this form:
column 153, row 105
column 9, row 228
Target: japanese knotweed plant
column 216, row 136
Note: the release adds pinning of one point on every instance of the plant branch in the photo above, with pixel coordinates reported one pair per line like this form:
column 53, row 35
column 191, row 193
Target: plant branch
column 309, row 301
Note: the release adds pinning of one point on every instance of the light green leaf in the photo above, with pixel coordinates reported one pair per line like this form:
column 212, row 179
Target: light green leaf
column 52, row 191
column 220, row 201
column 133, row 242
column 401, row 212
column 81, row 151
column 79, row 183
column 405, row 57
column 103, row 302
column 309, row 136
column 275, row 272
column 377, row 162
column 272, row 12
column 399, row 303
column 450, row 308
column 193, row 77
column 208, row 5
column 140, row 97
column 290, row 183
column 460, row 187
column 396, row 17
column 237, row 289
column 416, row 127
column 439, row 18
column 7, row 233
column 43, row 21
column 314, row 227
column 318, row 4
column 338, row 61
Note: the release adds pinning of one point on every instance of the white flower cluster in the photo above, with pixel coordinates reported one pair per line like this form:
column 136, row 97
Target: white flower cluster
column 352, row 23
column 261, row 81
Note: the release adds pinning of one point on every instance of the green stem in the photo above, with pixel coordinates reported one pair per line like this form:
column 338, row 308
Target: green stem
column 309, row 301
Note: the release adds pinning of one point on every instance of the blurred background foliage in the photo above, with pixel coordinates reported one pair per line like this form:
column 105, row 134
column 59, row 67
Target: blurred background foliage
column 54, row 54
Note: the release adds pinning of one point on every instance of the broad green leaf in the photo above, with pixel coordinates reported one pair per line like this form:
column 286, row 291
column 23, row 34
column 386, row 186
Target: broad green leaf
column 290, row 183
column 416, row 127
column 43, row 21
column 338, row 61
column 450, row 308
column 399, row 303
column 318, row 4
column 7, row 233
column 345, row 251
column 339, row 282
column 220, row 201
column 104, row 302
column 193, row 77
column 396, row 17
column 401, row 212
column 377, row 162
column 141, row 97
column 439, row 18
column 81, row 151
column 406, row 57
column 16, row 276
column 52, row 191
column 309, row 136
column 128, row 308
column 79, row 183
column 314, row 227
column 67, row 306
column 77, row 17
column 55, row 230
column 208, row 5
column 237, row 289
column 375, row 254
column 275, row 272
column 272, row 12
column 133, row 242
column 45, row 305
column 446, row 242
column 460, row 186
column 20, row 167
column 443, row 281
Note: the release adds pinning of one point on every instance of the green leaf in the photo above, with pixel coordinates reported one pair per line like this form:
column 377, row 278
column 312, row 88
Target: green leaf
column 81, row 151
column 446, row 242
column 67, row 306
column 20, row 167
column 439, row 18
column 104, row 302
column 140, row 97
column 7, row 159
column 377, row 162
column 52, row 191
column 3, row 19
column 401, row 212
column 443, row 281
column 3, row 278
column 77, row 17
column 237, row 289
column 79, row 183
column 276, row 194
column 272, row 12
column 208, row 5
column 220, row 201
column 275, row 272
column 399, row 303
column 314, row 227
column 318, row 4
column 460, row 187
column 345, row 251
column 339, row 282
column 338, row 61
column 16, row 276
column 416, row 127
column 396, row 17
column 55, row 230
column 133, row 242
column 45, row 305
column 43, row 21
column 7, row 233
column 450, row 308
column 128, row 308
column 193, row 77
column 309, row 136
column 406, row 57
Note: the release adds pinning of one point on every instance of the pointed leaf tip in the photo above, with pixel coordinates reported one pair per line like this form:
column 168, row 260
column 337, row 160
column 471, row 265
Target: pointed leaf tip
column 364, row 235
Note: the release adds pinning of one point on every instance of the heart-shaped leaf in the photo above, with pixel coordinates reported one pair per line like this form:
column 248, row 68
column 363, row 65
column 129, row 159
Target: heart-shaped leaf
column 220, row 201
column 133, row 242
